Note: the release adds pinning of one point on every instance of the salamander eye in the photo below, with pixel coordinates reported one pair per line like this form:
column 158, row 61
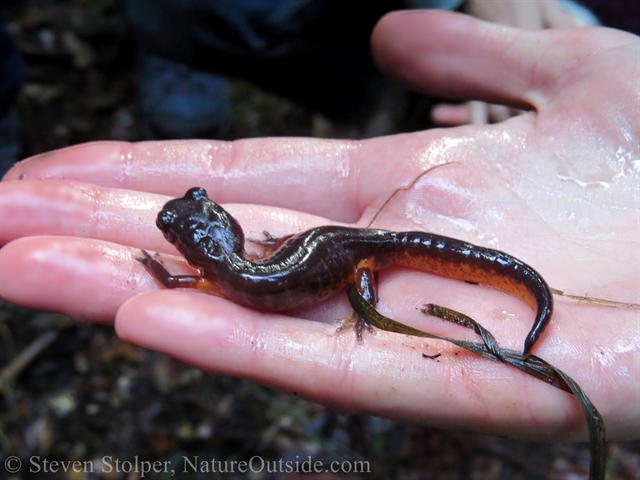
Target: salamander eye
column 165, row 219
column 196, row 193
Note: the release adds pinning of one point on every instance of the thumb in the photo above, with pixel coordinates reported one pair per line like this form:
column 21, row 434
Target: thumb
column 451, row 55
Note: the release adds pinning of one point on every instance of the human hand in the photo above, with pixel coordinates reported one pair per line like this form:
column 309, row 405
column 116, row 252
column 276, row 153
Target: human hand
column 557, row 187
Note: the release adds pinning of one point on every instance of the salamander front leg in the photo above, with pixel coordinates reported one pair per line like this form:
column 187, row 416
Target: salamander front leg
column 270, row 244
column 365, row 281
column 162, row 275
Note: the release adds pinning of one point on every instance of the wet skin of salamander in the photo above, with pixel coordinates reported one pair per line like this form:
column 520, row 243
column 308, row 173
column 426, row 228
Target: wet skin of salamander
column 308, row 267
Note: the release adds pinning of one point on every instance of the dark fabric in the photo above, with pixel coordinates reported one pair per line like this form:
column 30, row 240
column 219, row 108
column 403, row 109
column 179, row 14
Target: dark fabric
column 620, row 14
column 314, row 52
column 11, row 71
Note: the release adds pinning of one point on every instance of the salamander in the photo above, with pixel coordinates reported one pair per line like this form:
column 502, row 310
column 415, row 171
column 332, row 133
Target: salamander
column 305, row 268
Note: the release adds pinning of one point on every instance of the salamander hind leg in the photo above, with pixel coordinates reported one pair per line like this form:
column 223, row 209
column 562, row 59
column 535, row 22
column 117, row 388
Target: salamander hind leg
column 365, row 281
column 356, row 322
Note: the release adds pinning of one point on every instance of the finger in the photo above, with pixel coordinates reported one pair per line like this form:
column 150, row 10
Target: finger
column 87, row 279
column 333, row 179
column 82, row 210
column 471, row 112
column 387, row 375
column 451, row 115
column 84, row 279
column 126, row 217
column 264, row 171
column 455, row 56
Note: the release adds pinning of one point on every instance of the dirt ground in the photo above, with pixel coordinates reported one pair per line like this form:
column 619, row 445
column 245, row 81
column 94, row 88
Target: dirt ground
column 71, row 392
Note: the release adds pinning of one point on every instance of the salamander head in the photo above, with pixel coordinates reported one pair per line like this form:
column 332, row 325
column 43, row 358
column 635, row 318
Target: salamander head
column 200, row 228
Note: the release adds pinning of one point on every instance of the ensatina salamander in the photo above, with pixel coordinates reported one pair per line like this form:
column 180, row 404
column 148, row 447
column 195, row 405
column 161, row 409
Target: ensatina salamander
column 308, row 267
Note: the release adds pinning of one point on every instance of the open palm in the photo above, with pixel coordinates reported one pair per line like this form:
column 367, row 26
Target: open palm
column 557, row 187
